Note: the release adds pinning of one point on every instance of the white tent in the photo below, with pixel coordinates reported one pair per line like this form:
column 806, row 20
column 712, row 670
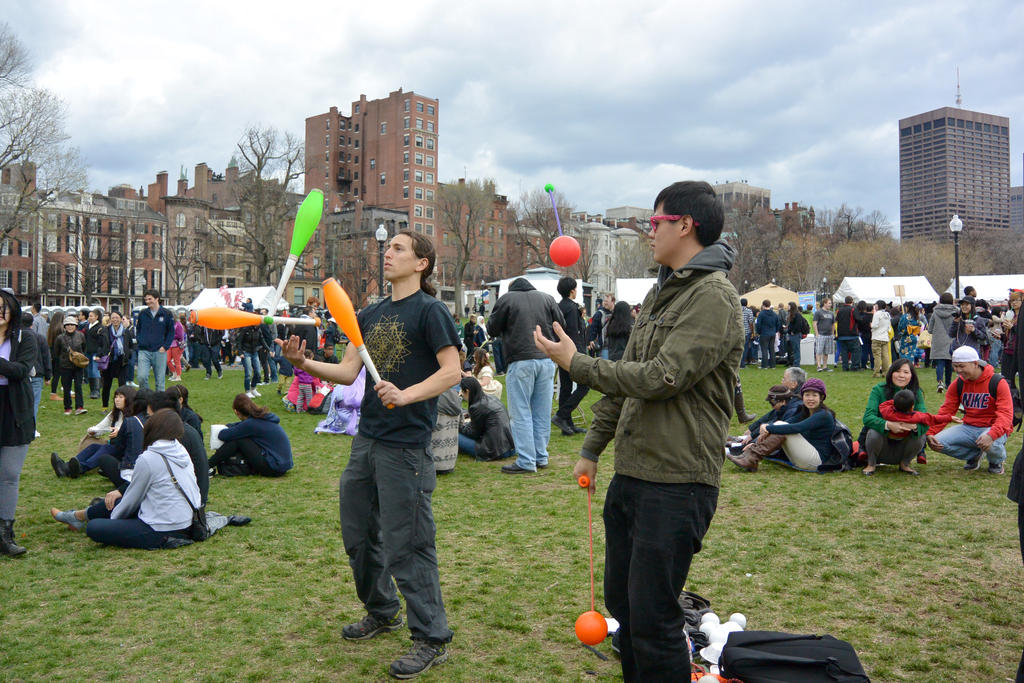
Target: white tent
column 871, row 289
column 544, row 280
column 633, row 290
column 989, row 287
column 261, row 296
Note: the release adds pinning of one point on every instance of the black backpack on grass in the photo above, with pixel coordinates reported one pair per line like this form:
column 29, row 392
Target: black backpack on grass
column 775, row 657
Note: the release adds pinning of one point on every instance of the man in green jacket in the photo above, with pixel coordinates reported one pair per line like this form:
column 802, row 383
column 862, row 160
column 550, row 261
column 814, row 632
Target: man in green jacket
column 667, row 404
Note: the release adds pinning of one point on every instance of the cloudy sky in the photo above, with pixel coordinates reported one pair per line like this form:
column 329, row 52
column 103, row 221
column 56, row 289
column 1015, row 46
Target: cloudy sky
column 610, row 101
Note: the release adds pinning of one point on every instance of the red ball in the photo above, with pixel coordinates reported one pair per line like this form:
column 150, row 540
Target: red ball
column 565, row 251
column 591, row 628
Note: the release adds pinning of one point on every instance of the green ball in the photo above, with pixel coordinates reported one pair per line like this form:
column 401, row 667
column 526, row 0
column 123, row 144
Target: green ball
column 549, row 188
column 269, row 320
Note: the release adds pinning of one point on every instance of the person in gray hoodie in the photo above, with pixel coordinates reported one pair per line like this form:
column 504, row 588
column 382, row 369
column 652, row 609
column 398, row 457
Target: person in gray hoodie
column 531, row 374
column 938, row 325
column 153, row 508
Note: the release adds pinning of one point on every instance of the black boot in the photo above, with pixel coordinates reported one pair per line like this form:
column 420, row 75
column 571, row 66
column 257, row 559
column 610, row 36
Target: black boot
column 94, row 387
column 60, row 468
column 7, row 544
column 741, row 412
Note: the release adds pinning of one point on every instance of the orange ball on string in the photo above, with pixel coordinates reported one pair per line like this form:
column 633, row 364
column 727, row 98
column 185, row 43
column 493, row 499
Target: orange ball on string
column 565, row 251
column 591, row 628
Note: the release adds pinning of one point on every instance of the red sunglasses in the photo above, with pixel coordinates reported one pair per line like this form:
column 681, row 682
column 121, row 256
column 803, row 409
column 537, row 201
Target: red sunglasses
column 672, row 217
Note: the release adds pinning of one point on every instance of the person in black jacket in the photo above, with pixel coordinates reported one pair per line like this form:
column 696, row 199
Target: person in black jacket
column 575, row 326
column 70, row 340
column 249, row 341
column 616, row 333
column 18, row 351
column 531, row 374
column 119, row 344
column 487, row 435
column 96, row 345
column 848, row 335
column 43, row 367
column 796, row 329
column 208, row 349
column 267, row 362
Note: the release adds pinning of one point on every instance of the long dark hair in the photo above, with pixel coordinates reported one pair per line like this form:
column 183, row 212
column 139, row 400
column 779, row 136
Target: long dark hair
column 621, row 322
column 245, row 406
column 470, row 384
column 423, row 247
column 914, row 386
column 14, row 308
column 56, row 326
column 164, row 424
column 129, row 402
column 178, row 391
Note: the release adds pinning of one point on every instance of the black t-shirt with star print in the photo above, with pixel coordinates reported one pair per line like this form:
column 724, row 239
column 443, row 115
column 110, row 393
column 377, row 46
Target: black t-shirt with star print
column 403, row 338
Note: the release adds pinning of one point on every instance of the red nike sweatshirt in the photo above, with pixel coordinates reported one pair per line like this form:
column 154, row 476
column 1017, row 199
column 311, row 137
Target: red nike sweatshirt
column 979, row 408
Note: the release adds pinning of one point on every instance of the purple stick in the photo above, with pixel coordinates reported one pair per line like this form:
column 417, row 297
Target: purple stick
column 558, row 221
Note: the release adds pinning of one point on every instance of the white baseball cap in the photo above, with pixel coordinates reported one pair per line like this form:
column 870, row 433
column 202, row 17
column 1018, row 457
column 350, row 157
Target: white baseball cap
column 965, row 354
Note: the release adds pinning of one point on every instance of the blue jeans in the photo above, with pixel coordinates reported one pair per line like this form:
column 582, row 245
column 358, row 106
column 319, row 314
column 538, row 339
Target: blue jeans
column 748, row 352
column 958, row 442
column 531, row 387
column 126, row 533
column 158, row 362
column 37, row 394
column 467, row 445
column 91, row 371
column 943, row 371
column 793, row 348
column 849, row 348
column 89, row 457
column 251, row 365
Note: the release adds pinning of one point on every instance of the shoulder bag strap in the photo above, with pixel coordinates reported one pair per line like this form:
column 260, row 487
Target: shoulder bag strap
column 174, row 480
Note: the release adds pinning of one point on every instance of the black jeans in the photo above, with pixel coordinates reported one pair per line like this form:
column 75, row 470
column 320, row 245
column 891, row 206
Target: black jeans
column 110, row 467
column 209, row 356
column 849, row 351
column 387, row 525
column 652, row 532
column 567, row 398
column 249, row 451
column 131, row 532
column 67, row 376
column 116, row 369
column 767, row 350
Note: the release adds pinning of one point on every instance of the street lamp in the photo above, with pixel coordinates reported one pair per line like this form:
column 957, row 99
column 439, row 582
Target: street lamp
column 382, row 238
column 881, row 271
column 955, row 226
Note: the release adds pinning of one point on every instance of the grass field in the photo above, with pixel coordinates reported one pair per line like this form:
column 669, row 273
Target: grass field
column 922, row 574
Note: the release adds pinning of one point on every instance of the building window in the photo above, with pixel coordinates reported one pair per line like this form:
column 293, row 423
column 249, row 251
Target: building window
column 405, row 192
column 419, row 140
column 405, row 157
column 430, row 126
column 407, row 105
column 430, row 227
column 419, row 176
column 405, row 123
column 5, row 278
column 430, row 161
column 24, row 248
column 430, row 195
column 418, row 211
column 356, row 144
column 71, row 278
column 356, row 160
column 405, row 140
column 140, row 250
column 405, row 175
column 419, row 124
column 419, row 158
column 430, row 212
column 430, row 143
column 373, row 163
column 430, row 109
column 419, row 227
column 94, row 248
column 179, row 220
column 430, row 179
column 383, row 127
column 419, row 107
column 51, row 241
column 328, row 124
column 419, row 193
column 383, row 178
column 355, row 110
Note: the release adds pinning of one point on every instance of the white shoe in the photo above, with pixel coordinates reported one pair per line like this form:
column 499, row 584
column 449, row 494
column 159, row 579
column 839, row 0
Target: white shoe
column 37, row 434
column 250, row 394
column 256, row 393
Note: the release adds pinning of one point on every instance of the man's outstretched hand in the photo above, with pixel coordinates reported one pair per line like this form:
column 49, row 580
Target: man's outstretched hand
column 560, row 351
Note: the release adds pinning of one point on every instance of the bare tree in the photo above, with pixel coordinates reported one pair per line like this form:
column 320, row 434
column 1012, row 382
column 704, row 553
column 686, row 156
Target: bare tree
column 634, row 258
column 271, row 162
column 33, row 145
column 464, row 207
column 535, row 225
column 184, row 252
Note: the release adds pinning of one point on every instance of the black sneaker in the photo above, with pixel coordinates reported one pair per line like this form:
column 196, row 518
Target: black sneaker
column 973, row 463
column 421, row 657
column 564, row 425
column 370, row 626
column 996, row 469
column 60, row 468
column 74, row 468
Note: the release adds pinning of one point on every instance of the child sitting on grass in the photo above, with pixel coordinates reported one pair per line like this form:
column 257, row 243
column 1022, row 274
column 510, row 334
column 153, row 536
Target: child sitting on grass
column 901, row 409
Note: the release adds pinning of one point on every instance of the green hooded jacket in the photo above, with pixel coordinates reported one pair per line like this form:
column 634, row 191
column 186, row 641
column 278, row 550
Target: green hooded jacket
column 669, row 400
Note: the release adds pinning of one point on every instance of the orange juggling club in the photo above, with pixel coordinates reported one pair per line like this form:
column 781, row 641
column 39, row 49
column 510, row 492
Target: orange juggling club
column 218, row 318
column 344, row 313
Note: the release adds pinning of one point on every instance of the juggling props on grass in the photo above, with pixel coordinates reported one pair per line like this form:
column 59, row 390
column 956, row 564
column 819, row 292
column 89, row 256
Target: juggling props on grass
column 344, row 313
column 231, row 318
column 306, row 220
column 564, row 250
column 591, row 627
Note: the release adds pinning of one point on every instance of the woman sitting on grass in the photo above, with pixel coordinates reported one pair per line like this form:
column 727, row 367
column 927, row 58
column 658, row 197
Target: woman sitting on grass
column 879, row 442
column 179, row 392
column 807, row 442
column 108, row 428
column 258, row 440
column 125, row 452
column 152, row 508
column 488, row 434
column 484, row 373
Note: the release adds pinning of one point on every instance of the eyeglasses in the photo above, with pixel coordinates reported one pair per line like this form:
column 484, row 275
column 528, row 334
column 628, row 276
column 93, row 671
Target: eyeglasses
column 672, row 217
